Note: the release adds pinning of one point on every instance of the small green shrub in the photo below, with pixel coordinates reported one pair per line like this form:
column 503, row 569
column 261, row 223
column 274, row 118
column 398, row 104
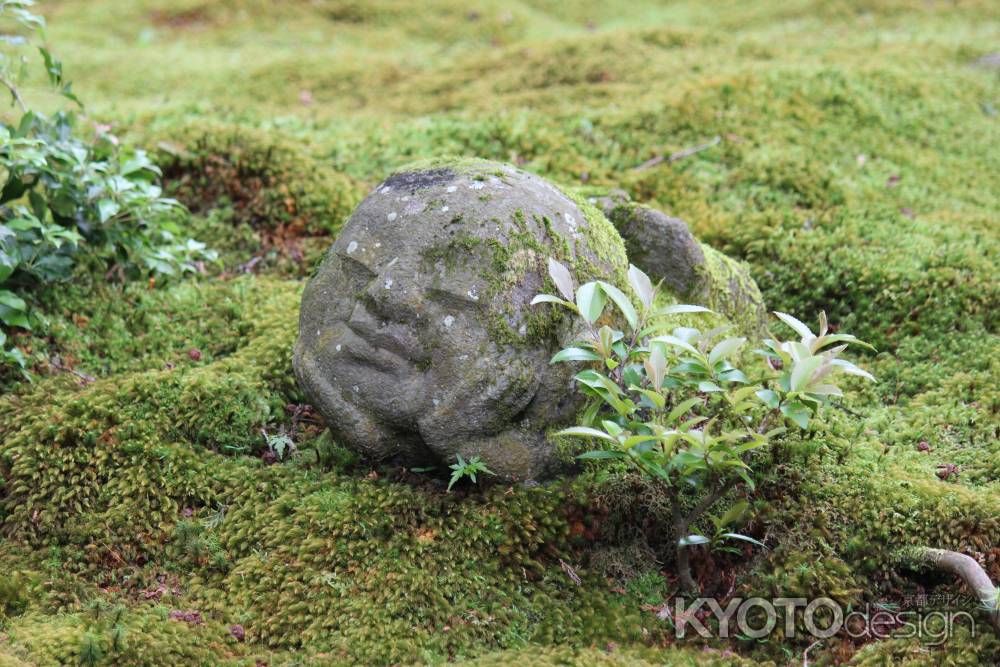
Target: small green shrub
column 66, row 200
column 674, row 406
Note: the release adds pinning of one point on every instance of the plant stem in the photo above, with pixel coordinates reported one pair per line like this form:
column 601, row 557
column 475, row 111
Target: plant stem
column 687, row 582
column 682, row 524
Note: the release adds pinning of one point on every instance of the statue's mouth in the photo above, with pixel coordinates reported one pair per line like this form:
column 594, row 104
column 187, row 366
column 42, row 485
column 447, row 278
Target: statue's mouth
column 384, row 346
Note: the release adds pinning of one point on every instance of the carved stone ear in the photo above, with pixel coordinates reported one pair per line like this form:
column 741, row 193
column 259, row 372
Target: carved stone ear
column 657, row 243
column 666, row 250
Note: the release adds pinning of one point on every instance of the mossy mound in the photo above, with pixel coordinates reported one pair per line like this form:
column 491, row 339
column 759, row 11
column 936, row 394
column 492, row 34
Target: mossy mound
column 269, row 181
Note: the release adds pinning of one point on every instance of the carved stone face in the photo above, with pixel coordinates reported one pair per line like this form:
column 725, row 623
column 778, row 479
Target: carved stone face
column 416, row 338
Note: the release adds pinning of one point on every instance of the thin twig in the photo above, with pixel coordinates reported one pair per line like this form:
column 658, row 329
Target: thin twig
column 570, row 572
column 9, row 85
column 87, row 379
column 805, row 654
column 687, row 152
column 679, row 155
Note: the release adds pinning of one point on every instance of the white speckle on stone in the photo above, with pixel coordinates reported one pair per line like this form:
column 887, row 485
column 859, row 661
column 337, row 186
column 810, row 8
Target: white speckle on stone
column 351, row 247
column 388, row 283
column 318, row 332
column 406, row 198
column 378, row 244
column 570, row 220
column 435, row 402
column 444, row 209
column 449, row 320
column 463, row 357
column 451, row 188
column 473, row 294
column 523, row 330
column 385, row 188
column 390, row 264
column 477, row 185
column 415, row 207
column 339, row 346
column 356, row 389
column 391, row 216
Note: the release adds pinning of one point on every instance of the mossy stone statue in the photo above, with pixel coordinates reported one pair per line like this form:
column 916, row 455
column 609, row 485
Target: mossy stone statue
column 417, row 340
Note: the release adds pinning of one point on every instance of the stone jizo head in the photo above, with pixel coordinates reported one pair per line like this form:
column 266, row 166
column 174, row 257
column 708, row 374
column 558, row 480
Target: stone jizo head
column 416, row 338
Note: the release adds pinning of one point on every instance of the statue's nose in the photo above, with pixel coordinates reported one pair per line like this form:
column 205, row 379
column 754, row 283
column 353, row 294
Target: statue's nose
column 394, row 296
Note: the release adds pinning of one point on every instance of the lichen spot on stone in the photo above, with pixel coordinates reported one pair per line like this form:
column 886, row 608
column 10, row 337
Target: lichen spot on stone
column 452, row 188
column 351, row 247
column 449, row 320
column 477, row 185
column 388, row 283
column 391, row 216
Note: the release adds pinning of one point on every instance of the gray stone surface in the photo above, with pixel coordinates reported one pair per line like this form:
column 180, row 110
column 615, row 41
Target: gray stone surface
column 665, row 249
column 657, row 243
column 416, row 338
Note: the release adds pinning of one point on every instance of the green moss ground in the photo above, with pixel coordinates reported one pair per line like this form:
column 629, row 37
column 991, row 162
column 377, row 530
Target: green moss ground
column 855, row 172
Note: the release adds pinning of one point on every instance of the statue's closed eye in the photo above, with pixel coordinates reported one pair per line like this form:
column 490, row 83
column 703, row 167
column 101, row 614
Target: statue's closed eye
column 456, row 297
column 357, row 272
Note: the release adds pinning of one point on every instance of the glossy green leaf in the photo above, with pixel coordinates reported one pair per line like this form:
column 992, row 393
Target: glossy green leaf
column 725, row 349
column 590, row 300
column 682, row 409
column 680, row 309
column 548, row 298
column 802, row 372
column 733, row 514
column 800, row 328
column 676, row 342
column 847, row 367
column 641, row 285
column 745, row 538
column 623, row 302
column 586, row 432
column 562, row 278
column 797, row 412
column 575, row 354
column 12, row 301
